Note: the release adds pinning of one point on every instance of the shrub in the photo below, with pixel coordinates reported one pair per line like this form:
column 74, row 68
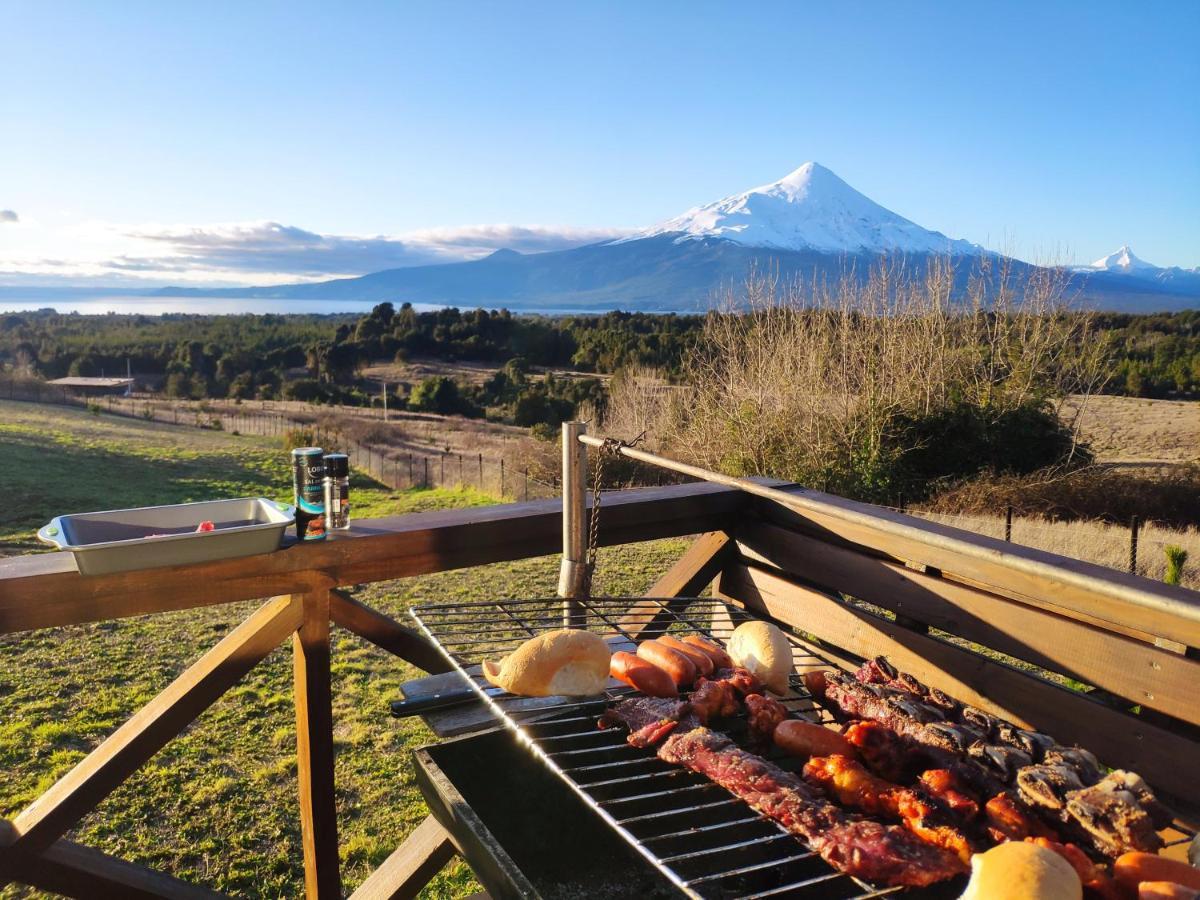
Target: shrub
column 1176, row 558
column 438, row 394
column 877, row 386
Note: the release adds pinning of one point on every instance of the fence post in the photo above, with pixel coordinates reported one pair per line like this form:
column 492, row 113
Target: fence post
column 1133, row 539
column 900, row 503
column 1008, row 522
column 410, row 478
column 426, row 472
column 460, row 474
column 396, row 472
column 526, row 494
column 481, row 471
column 442, row 472
column 502, row 477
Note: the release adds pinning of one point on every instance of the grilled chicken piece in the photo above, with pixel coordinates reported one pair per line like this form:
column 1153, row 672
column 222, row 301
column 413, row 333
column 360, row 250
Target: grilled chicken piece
column 1007, row 820
column 852, row 785
column 1113, row 818
column 713, row 699
column 948, row 788
column 765, row 713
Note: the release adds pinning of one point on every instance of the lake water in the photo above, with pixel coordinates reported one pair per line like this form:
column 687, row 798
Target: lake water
column 211, row 306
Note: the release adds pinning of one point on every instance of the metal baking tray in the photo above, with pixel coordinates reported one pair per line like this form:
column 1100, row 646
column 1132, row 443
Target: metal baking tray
column 120, row 540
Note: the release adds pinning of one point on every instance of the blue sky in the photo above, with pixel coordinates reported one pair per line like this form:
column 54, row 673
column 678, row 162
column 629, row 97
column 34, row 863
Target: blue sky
column 173, row 133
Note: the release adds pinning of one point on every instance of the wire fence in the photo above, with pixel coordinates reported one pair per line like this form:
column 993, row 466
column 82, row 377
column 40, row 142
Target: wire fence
column 1139, row 547
column 395, row 468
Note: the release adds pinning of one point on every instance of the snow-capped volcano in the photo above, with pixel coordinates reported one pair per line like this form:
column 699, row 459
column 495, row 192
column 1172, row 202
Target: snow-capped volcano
column 811, row 209
column 1122, row 260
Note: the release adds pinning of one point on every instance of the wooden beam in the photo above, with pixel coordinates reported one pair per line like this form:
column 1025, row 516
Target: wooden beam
column 1012, row 570
column 100, row 772
column 423, row 854
column 73, row 870
column 44, row 590
column 1132, row 669
column 314, row 749
column 385, row 632
column 1119, row 739
column 692, row 572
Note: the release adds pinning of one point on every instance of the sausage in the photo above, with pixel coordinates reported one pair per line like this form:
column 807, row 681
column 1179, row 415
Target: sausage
column 702, row 661
column 815, row 682
column 681, row 669
column 1165, row 890
column 716, row 653
column 638, row 673
column 1132, row 868
column 804, row 739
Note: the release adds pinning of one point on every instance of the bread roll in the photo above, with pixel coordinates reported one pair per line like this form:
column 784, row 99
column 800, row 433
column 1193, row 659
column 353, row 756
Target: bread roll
column 569, row 662
column 1022, row 871
column 763, row 650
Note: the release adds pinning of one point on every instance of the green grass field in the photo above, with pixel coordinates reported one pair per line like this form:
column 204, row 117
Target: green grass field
column 218, row 805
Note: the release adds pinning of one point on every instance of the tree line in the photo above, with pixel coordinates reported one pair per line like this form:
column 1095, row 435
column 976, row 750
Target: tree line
column 319, row 358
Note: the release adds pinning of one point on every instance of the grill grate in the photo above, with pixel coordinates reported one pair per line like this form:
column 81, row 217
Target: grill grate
column 706, row 842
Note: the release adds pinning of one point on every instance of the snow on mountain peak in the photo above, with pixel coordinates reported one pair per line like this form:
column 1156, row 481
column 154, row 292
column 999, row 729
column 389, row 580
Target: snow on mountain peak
column 809, row 209
column 1122, row 260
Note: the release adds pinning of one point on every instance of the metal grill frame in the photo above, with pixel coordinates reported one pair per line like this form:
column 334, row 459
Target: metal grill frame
column 612, row 618
column 474, row 625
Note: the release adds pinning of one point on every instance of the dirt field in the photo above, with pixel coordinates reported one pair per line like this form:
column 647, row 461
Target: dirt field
column 1133, row 430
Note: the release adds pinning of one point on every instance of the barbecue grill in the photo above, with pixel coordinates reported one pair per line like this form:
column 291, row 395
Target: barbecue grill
column 795, row 565
column 705, row 841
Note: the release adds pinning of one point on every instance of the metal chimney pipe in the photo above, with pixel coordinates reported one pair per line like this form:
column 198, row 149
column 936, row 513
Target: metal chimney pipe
column 574, row 522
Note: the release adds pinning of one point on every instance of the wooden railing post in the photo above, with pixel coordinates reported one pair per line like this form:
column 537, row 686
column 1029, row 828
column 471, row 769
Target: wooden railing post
column 314, row 748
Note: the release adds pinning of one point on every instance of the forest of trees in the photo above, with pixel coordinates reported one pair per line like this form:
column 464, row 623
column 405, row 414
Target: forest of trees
column 319, row 358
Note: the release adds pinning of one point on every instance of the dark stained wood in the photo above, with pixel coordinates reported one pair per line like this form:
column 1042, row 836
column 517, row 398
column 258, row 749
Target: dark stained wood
column 423, row 854
column 454, row 720
column 127, row 748
column 699, row 565
column 1135, row 670
column 1012, row 570
column 314, row 749
column 386, row 632
column 1120, row 740
column 73, row 870
column 44, row 590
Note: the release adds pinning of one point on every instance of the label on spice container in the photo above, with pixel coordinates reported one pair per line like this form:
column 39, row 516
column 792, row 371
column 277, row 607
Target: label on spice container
column 308, row 477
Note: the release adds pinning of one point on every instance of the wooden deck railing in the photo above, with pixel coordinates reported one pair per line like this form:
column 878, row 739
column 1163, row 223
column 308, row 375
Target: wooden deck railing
column 302, row 583
column 952, row 600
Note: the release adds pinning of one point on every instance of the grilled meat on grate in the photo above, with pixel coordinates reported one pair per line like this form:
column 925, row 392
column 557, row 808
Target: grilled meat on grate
column 880, row 853
column 1113, row 814
column 848, row 781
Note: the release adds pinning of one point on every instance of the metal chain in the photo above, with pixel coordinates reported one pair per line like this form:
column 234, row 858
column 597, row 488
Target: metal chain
column 610, row 448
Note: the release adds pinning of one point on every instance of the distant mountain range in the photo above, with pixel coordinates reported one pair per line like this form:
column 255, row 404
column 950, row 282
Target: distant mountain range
column 810, row 223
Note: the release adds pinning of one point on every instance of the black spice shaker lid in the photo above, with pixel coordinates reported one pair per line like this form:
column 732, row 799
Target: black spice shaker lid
column 337, row 465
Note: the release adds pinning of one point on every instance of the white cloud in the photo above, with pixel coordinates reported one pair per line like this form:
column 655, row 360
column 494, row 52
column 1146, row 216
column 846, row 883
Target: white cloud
column 8, row 216
column 269, row 252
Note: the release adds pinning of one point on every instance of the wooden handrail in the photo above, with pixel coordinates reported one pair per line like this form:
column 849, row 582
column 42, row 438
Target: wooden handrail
column 45, row 590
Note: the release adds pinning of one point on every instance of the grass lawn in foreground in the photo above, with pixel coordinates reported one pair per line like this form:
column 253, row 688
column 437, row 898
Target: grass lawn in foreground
column 218, row 805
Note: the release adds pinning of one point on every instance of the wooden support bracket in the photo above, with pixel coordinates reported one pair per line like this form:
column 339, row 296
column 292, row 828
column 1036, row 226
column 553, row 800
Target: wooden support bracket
column 423, row 854
column 314, row 748
column 385, row 632
column 99, row 773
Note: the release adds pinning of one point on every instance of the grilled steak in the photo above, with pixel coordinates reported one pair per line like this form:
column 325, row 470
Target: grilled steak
column 881, row 853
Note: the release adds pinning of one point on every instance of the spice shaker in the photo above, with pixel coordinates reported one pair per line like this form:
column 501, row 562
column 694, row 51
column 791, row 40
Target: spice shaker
column 337, row 491
column 308, row 469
